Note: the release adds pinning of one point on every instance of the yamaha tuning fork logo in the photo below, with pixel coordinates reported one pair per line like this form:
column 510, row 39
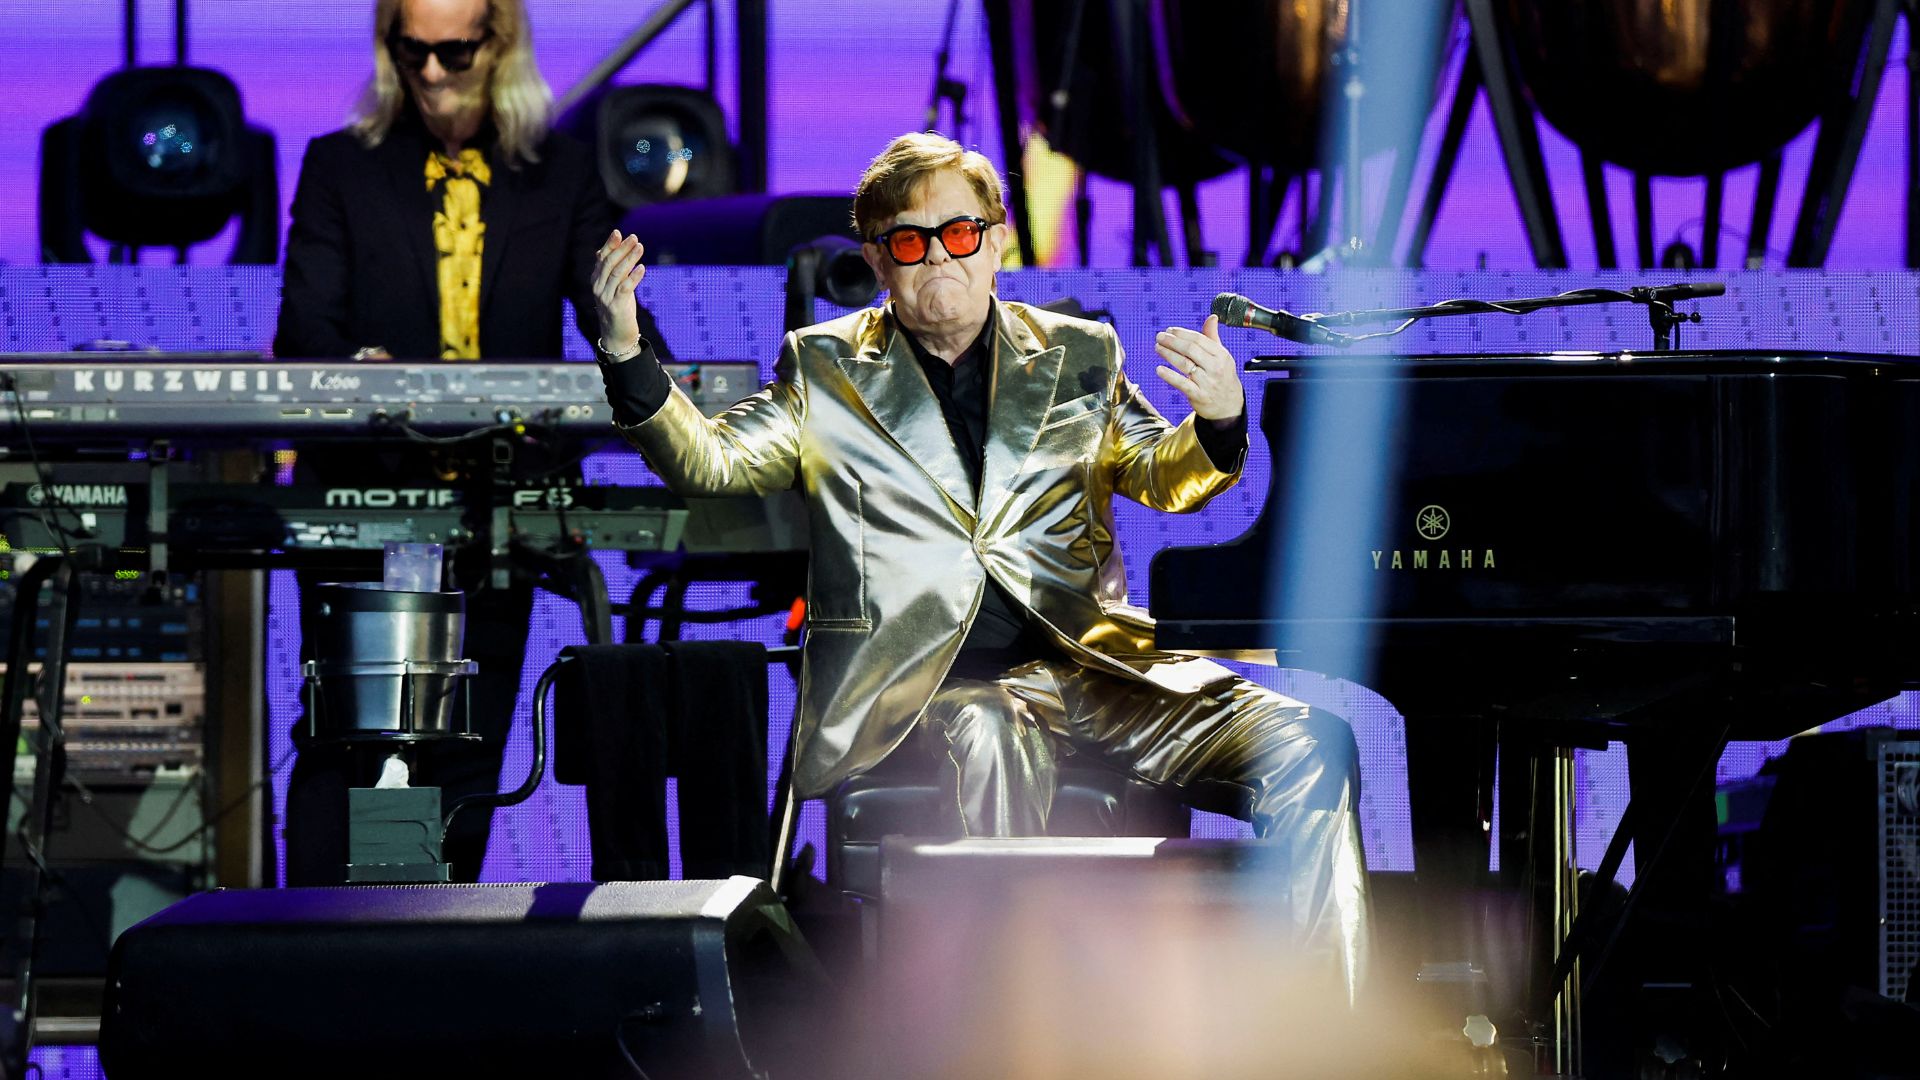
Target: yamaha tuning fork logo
column 1431, row 525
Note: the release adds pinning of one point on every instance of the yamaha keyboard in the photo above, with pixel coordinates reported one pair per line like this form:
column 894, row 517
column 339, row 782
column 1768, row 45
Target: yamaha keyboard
column 132, row 397
column 207, row 520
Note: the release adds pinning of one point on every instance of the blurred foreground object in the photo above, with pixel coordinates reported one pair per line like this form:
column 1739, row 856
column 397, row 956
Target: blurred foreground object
column 1118, row 958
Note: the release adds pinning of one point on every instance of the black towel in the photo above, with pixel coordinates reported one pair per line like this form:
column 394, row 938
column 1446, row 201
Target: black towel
column 718, row 749
column 628, row 716
column 610, row 733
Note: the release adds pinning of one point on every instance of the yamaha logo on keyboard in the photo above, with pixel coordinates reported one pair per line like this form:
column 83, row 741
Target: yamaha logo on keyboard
column 79, row 495
column 1432, row 523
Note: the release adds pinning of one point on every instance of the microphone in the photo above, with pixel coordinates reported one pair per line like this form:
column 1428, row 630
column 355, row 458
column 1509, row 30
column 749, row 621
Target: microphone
column 1693, row 290
column 1236, row 310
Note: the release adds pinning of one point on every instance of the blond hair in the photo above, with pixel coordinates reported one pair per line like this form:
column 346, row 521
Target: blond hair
column 895, row 176
column 521, row 100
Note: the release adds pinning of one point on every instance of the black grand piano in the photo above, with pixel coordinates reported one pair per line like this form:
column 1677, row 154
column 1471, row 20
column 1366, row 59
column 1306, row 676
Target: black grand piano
column 1671, row 549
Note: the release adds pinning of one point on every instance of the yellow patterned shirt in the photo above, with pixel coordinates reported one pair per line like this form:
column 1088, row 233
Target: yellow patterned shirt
column 458, row 234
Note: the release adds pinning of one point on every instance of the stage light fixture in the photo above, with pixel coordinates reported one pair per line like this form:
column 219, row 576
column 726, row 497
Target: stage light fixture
column 158, row 157
column 655, row 143
column 831, row 267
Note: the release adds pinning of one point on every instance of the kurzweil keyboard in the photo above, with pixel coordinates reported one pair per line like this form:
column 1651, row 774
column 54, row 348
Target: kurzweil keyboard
column 116, row 396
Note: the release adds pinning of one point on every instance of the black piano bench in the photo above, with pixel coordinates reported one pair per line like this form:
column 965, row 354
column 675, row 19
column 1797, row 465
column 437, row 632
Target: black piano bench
column 900, row 800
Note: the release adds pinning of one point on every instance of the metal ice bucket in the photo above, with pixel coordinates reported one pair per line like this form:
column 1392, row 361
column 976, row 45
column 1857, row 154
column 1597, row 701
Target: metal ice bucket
column 386, row 666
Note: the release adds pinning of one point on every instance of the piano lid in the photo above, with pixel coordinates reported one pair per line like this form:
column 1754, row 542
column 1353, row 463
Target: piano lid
column 1579, row 535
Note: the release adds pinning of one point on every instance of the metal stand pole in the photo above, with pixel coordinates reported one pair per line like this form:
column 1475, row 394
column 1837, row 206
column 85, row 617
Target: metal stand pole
column 750, row 37
column 62, row 572
column 1353, row 186
column 1566, row 909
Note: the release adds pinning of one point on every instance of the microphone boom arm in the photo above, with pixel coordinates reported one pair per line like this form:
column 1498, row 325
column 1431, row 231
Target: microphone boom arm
column 1658, row 299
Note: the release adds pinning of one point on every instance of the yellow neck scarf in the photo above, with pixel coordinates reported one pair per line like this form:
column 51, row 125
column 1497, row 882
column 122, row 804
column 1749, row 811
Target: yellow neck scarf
column 458, row 234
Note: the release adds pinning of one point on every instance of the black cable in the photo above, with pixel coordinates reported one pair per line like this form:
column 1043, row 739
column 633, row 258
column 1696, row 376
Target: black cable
column 1727, row 1019
column 1390, row 333
column 219, row 816
column 87, row 799
column 620, row 1041
column 593, row 446
column 415, row 435
column 1465, row 306
column 59, row 881
column 516, row 426
column 1679, row 235
column 945, row 88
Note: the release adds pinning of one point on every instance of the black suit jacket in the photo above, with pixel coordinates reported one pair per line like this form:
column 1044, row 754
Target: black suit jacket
column 361, row 262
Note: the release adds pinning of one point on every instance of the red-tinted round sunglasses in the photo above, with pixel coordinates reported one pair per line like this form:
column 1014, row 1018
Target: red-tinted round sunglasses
column 909, row 244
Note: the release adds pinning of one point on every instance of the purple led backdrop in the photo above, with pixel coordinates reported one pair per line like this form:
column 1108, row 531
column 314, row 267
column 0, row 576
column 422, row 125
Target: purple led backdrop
column 843, row 80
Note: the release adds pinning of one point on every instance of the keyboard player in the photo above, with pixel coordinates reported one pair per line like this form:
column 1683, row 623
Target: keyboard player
column 446, row 221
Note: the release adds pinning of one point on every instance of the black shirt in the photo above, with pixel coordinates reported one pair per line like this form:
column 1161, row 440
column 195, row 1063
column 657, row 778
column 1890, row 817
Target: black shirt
column 1001, row 636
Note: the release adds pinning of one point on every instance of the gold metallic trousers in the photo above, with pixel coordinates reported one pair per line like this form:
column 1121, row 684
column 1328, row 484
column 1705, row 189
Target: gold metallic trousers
column 1294, row 769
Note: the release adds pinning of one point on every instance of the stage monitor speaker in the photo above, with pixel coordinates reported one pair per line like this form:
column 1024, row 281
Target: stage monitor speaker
column 657, row 978
column 1834, row 871
column 737, row 230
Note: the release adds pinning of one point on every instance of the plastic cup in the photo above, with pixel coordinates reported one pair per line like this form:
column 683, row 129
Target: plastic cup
column 411, row 567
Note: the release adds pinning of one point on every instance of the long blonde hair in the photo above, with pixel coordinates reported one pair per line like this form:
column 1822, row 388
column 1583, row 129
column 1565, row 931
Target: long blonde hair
column 521, row 100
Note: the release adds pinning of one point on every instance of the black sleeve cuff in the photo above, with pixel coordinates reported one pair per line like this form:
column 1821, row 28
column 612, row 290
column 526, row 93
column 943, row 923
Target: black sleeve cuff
column 636, row 386
column 1226, row 447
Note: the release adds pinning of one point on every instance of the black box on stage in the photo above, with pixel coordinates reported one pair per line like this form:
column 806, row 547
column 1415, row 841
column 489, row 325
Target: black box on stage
column 1833, row 873
column 687, row 978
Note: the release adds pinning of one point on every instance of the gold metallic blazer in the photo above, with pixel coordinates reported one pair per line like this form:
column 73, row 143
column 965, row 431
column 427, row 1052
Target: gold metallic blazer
column 901, row 552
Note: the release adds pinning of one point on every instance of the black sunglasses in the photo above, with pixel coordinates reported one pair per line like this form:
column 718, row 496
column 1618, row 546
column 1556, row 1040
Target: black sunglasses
column 910, row 244
column 455, row 55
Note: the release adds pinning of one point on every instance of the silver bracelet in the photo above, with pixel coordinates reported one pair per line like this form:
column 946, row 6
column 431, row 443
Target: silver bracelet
column 608, row 356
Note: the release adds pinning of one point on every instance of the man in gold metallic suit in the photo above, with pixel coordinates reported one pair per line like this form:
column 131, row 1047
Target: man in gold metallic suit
column 967, row 604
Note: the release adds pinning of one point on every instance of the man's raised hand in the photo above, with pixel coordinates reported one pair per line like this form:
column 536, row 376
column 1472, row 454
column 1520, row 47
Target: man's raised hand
column 617, row 271
column 1199, row 366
